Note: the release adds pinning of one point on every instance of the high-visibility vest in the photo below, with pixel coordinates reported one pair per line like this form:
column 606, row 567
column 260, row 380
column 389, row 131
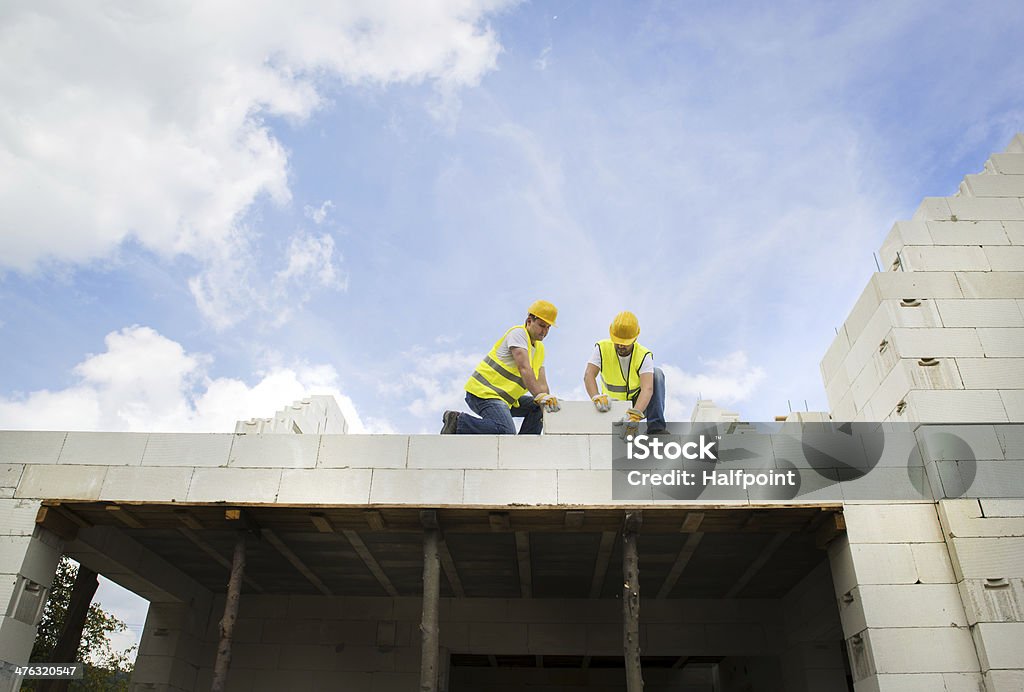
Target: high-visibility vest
column 492, row 379
column 614, row 382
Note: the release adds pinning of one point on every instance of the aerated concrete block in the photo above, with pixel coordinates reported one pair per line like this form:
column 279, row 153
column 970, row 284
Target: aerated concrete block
column 544, row 452
column 511, row 487
column 995, row 185
column 61, row 482
column 896, row 523
column 991, row 373
column 985, row 209
column 936, row 208
column 987, row 558
column 922, row 650
column 1014, row 231
column 581, row 418
column 1001, row 507
column 417, row 486
column 1010, row 164
column 30, row 447
column 1002, row 342
column 325, row 486
column 274, row 451
column 957, row 406
column 903, row 233
column 187, row 449
column 18, row 517
column 990, row 285
column 944, row 258
column 957, row 442
column 234, row 485
column 103, row 449
column 363, row 451
column 937, row 343
column 1005, row 259
column 998, row 312
column 963, row 518
column 906, row 605
column 1004, row 680
column 834, row 356
column 142, row 484
column 1013, row 404
column 1000, row 645
column 966, row 233
column 932, row 562
column 453, row 452
column 585, row 487
column 993, row 600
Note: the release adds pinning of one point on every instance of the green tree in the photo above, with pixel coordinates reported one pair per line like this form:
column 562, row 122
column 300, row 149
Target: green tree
column 105, row 667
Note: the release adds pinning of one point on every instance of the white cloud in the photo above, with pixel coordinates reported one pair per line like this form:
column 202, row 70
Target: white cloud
column 436, row 384
column 147, row 382
column 318, row 214
column 725, row 380
column 124, row 120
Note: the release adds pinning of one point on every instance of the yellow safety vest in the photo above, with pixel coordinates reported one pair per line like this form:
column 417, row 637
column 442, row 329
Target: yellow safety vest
column 492, row 379
column 614, row 382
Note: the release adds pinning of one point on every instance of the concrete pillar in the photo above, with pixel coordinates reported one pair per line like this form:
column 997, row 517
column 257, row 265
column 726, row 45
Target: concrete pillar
column 902, row 617
column 28, row 562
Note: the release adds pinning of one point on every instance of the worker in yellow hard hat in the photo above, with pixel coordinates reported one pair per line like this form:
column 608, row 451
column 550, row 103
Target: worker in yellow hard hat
column 510, row 382
column 627, row 372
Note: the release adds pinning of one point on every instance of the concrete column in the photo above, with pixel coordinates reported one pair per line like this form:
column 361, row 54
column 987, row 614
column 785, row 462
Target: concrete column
column 28, row 562
column 902, row 617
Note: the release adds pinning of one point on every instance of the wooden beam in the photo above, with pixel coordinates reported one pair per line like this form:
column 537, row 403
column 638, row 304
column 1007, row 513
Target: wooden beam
column 188, row 519
column 321, row 522
column 499, row 521
column 829, row 530
column 70, row 638
column 604, row 556
column 222, row 665
column 685, row 553
column 631, row 602
column 448, row 565
column 692, row 522
column 52, row 519
column 217, row 557
column 297, row 563
column 680, row 662
column 431, row 599
column 759, row 562
column 374, row 519
column 523, row 560
column 125, row 517
column 370, row 561
column 574, row 519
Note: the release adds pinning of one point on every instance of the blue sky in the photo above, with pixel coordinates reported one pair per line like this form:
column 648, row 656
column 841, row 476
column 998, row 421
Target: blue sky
column 211, row 209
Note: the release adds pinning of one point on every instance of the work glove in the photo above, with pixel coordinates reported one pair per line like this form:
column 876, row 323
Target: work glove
column 631, row 422
column 634, row 415
column 548, row 401
column 601, row 402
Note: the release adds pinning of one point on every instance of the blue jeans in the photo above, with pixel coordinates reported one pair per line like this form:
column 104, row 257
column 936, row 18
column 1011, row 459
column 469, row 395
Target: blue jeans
column 656, row 406
column 496, row 417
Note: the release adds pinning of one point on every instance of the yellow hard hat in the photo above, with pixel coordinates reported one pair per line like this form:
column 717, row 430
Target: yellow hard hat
column 625, row 329
column 544, row 310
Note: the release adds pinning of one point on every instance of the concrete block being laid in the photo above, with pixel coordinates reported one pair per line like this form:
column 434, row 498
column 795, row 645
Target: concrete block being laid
column 581, row 418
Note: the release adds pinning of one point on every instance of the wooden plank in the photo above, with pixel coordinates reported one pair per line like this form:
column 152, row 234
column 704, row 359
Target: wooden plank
column 759, row 562
column 374, row 519
column 70, row 638
column 431, row 603
column 297, row 562
column 574, row 519
column 829, row 530
column 680, row 662
column 222, row 665
column 604, row 556
column 188, row 519
column 125, row 517
column 321, row 522
column 217, row 557
column 692, row 522
column 523, row 560
column 52, row 519
column 499, row 521
column 448, row 565
column 631, row 603
column 685, row 553
column 370, row 561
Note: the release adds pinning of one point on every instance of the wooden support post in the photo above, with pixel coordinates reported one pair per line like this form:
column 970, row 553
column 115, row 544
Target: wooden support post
column 631, row 603
column 431, row 597
column 66, row 649
column 227, row 624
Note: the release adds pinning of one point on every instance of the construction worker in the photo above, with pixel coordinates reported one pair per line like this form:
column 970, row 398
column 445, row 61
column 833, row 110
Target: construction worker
column 510, row 382
column 627, row 373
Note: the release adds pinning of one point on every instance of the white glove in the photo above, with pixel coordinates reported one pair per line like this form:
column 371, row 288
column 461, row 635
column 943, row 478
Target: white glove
column 601, row 402
column 548, row 401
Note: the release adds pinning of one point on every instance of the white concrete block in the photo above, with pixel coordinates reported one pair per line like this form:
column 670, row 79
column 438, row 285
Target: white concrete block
column 1016, row 145
column 991, row 373
column 581, row 418
column 937, row 343
column 962, row 518
column 1004, row 680
column 30, row 447
column 16, row 640
column 900, row 285
column 908, row 375
column 867, row 343
column 931, row 560
column 1013, row 404
column 845, row 410
column 1010, row 164
column 995, row 185
column 834, row 356
column 585, row 487
column 18, row 517
column 10, row 474
column 944, row 258
column 985, row 209
column 274, row 450
column 511, row 487
column 363, row 451
column 1000, row 645
column 544, row 451
column 936, row 443
column 325, row 486
column 187, row 449
column 1002, row 507
column 923, row 650
column 966, row 233
column 417, row 487
column 1002, row 342
column 864, row 387
column 904, row 605
column 907, row 523
column 453, row 451
column 103, row 449
column 987, row 558
column 998, row 312
column 996, row 600
column 935, row 208
column 61, row 482
column 903, row 233
column 990, row 284
column 1014, row 231
column 234, row 485
column 1005, row 259
column 12, row 553
column 142, row 484
column 957, row 406
column 600, row 447
column 837, row 388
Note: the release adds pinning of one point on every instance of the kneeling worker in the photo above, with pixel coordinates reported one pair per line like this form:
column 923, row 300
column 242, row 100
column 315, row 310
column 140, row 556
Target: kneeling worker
column 501, row 386
column 627, row 373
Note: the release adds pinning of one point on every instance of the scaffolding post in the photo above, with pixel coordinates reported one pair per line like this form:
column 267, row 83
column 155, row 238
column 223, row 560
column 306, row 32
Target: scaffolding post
column 631, row 602
column 227, row 624
column 431, row 597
